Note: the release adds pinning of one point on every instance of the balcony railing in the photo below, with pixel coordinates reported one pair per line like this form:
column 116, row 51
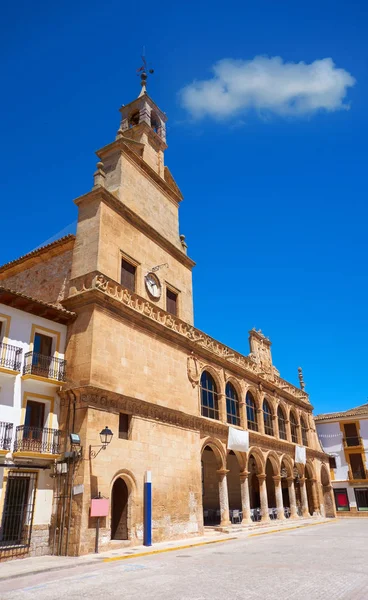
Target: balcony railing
column 37, row 439
column 10, row 357
column 44, row 366
column 6, row 434
column 360, row 473
column 354, row 440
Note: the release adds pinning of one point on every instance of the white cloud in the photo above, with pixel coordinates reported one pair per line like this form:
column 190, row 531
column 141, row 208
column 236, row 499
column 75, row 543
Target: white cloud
column 268, row 85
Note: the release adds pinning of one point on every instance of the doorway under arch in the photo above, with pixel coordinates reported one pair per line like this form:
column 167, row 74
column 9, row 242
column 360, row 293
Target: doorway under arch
column 119, row 510
column 309, row 483
column 284, row 486
column 210, row 487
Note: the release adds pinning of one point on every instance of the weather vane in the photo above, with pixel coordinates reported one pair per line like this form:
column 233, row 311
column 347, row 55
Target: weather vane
column 144, row 71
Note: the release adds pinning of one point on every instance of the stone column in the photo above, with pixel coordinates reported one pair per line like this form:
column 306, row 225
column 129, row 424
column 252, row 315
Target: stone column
column 260, row 420
column 224, row 498
column 315, row 497
column 263, row 496
column 222, row 407
column 292, row 498
column 243, row 415
column 303, row 493
column 279, row 500
column 244, row 489
column 275, row 425
column 288, row 430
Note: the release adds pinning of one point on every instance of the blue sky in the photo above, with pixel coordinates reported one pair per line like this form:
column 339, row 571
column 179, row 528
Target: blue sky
column 275, row 209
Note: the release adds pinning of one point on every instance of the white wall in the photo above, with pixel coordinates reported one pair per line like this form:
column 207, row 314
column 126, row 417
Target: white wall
column 330, row 436
column 12, row 389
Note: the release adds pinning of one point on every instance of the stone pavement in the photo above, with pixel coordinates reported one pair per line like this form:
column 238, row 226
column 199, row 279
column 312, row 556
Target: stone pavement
column 38, row 565
column 327, row 560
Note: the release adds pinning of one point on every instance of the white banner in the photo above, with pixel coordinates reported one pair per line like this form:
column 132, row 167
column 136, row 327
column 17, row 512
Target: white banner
column 300, row 455
column 238, row 440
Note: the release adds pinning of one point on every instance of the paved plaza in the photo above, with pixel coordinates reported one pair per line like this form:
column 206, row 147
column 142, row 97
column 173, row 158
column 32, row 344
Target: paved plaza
column 320, row 561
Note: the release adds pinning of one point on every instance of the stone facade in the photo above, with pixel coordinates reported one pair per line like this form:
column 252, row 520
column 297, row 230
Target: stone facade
column 136, row 364
column 42, row 274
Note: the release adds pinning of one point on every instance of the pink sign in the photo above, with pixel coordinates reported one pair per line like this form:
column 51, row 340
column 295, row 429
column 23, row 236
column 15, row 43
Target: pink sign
column 99, row 507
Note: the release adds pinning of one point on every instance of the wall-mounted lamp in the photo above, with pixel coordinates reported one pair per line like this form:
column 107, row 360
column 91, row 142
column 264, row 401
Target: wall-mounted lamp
column 105, row 437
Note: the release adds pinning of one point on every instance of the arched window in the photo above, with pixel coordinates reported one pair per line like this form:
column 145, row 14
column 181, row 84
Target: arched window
column 232, row 405
column 251, row 412
column 209, row 396
column 293, row 427
column 267, row 418
column 155, row 122
column 133, row 119
column 304, row 432
column 282, row 423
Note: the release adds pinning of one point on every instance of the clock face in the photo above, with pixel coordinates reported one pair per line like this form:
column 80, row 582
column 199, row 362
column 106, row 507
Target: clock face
column 153, row 285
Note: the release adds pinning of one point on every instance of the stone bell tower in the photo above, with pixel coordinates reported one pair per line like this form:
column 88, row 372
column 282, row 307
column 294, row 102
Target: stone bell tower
column 143, row 122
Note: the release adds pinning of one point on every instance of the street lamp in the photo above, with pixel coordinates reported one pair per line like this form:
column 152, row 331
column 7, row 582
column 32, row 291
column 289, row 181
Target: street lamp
column 105, row 437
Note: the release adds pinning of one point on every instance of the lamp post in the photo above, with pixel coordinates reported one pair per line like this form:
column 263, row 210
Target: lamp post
column 105, row 436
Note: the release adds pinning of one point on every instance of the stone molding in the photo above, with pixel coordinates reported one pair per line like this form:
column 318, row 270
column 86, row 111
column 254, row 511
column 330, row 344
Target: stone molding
column 93, row 397
column 183, row 331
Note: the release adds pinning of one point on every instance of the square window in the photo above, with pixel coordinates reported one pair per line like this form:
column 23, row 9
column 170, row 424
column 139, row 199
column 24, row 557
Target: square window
column 341, row 500
column 124, row 426
column 332, row 461
column 128, row 275
column 171, row 302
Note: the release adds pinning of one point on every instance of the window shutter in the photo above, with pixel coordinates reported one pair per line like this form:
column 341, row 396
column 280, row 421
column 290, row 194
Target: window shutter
column 128, row 275
column 171, row 302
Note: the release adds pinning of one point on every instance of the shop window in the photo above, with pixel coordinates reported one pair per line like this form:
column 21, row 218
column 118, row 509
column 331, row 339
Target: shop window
column 361, row 497
column 341, row 499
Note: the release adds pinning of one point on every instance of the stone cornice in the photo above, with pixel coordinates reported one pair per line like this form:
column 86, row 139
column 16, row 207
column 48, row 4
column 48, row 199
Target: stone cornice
column 127, row 213
column 109, row 292
column 121, row 145
column 97, row 398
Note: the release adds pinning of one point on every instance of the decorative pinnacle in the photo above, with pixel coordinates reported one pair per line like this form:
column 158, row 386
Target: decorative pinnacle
column 144, row 71
column 301, row 380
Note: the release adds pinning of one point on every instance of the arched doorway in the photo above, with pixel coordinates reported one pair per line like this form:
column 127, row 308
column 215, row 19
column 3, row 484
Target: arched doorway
column 270, row 484
column 210, row 488
column 309, row 483
column 233, row 482
column 298, row 493
column 119, row 510
column 254, row 496
column 285, row 488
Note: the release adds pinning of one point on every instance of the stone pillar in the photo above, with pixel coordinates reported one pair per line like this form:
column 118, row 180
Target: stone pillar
column 222, row 407
column 260, row 420
column 243, row 415
column 303, row 493
column 279, row 500
column 263, row 496
column 224, row 498
column 275, row 425
column 315, row 497
column 292, row 498
column 244, row 489
column 288, row 430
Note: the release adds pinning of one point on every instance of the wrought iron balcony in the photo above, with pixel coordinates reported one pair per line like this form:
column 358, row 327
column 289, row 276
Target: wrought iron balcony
column 359, row 473
column 6, row 434
column 37, row 439
column 352, row 441
column 44, row 366
column 10, row 357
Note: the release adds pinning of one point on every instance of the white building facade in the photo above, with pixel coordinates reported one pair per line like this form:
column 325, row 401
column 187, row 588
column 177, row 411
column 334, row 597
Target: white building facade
column 344, row 436
column 32, row 372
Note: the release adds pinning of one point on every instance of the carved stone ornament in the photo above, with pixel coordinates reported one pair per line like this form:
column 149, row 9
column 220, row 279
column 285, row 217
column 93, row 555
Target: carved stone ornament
column 257, row 363
column 193, row 370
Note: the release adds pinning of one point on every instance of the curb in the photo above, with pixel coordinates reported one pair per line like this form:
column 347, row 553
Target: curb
column 290, row 528
column 162, row 550
column 49, row 570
